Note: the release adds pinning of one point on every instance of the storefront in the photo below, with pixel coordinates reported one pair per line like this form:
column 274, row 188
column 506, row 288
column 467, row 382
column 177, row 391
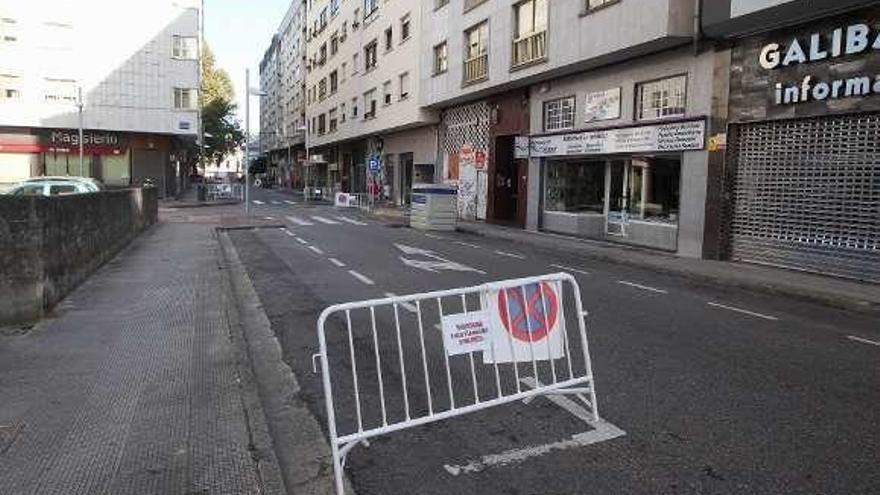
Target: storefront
column 620, row 184
column 803, row 173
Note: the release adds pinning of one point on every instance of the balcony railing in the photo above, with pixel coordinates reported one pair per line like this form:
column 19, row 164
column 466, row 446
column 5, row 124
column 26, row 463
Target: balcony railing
column 529, row 49
column 476, row 68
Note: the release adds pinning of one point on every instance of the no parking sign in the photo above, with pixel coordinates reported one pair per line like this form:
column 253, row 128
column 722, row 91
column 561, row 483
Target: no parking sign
column 525, row 324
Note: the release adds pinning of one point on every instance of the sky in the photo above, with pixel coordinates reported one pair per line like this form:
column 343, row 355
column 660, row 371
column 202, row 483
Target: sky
column 239, row 31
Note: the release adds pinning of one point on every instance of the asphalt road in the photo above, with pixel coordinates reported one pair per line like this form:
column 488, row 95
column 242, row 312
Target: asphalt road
column 718, row 391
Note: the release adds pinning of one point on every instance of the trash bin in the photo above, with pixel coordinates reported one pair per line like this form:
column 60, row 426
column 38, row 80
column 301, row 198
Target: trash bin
column 433, row 207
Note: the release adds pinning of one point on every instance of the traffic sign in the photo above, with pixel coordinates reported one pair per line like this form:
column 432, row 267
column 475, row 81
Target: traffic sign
column 525, row 324
column 374, row 164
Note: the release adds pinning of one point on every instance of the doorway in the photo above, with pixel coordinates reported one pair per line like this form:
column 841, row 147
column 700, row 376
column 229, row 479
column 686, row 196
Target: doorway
column 509, row 178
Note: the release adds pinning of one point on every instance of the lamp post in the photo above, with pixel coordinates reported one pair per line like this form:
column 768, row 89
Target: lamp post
column 247, row 137
column 305, row 130
column 79, row 105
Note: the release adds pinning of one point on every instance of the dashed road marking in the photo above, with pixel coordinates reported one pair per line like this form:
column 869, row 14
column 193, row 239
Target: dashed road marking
column 336, row 262
column 432, row 236
column 299, row 221
column 269, row 218
column 643, row 287
column 290, row 202
column 467, row 244
column 258, row 202
column 350, row 220
column 291, row 234
column 275, row 202
column 301, row 241
column 510, row 255
column 743, row 311
column 570, row 269
column 316, row 250
column 405, row 305
column 324, row 220
column 864, row 341
column 361, row 277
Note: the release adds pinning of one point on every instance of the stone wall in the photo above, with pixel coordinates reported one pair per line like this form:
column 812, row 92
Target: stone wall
column 48, row 246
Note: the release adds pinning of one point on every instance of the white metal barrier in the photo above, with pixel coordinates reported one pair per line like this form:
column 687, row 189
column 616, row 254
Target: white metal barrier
column 215, row 192
column 387, row 368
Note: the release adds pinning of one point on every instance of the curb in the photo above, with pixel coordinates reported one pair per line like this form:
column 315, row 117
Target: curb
column 293, row 437
column 836, row 301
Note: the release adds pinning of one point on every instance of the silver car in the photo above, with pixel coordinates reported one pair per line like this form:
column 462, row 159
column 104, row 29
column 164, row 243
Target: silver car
column 54, row 186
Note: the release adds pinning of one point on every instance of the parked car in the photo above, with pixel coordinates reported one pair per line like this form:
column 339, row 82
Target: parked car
column 53, row 186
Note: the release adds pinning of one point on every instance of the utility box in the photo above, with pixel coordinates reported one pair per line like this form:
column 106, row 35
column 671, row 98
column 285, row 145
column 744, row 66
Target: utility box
column 433, row 207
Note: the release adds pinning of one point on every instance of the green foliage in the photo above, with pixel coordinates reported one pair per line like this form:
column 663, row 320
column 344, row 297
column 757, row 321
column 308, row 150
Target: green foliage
column 223, row 133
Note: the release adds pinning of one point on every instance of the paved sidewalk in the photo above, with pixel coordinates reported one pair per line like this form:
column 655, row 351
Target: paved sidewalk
column 134, row 386
column 839, row 293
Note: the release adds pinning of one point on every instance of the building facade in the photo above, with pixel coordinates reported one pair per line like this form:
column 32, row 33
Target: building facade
column 139, row 94
column 369, row 130
column 803, row 145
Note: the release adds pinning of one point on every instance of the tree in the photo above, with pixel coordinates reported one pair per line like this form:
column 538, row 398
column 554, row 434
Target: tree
column 223, row 133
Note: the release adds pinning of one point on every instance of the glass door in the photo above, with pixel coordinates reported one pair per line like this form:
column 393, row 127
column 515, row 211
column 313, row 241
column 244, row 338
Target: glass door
column 618, row 174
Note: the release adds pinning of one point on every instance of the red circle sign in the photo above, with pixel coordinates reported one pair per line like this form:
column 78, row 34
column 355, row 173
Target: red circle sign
column 526, row 315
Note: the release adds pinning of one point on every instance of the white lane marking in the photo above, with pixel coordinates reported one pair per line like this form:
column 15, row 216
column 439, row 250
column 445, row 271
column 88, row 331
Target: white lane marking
column 258, row 202
column 290, row 202
column 316, row 250
column 602, row 431
column 467, row 244
column 743, row 311
column 291, row 234
column 299, row 221
column 864, row 341
column 432, row 236
column 643, row 287
column 276, row 202
column 351, row 221
column 510, row 255
column 360, row 277
column 336, row 262
column 325, row 220
column 570, row 269
column 301, row 241
column 407, row 306
column 269, row 218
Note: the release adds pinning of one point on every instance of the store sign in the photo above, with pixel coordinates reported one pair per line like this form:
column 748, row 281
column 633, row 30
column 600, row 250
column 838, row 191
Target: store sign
column 678, row 136
column 852, row 40
column 521, row 147
column 602, row 105
column 93, row 142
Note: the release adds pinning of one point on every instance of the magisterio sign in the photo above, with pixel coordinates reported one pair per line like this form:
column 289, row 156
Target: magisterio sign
column 833, row 45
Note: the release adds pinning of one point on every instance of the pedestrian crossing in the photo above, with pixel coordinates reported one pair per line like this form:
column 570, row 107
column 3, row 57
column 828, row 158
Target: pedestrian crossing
column 317, row 219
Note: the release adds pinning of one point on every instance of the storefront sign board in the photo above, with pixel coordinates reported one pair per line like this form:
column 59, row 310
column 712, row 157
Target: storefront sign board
column 521, row 147
column 678, row 136
column 602, row 105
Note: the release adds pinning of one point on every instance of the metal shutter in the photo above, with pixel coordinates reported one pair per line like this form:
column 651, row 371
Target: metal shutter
column 806, row 194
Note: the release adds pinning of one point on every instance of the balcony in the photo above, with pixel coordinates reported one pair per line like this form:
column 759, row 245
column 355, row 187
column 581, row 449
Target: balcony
column 529, row 49
column 476, row 69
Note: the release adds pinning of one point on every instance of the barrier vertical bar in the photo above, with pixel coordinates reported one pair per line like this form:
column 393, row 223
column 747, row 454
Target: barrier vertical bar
column 424, row 358
column 484, row 305
column 564, row 323
column 446, row 358
column 547, row 326
column 582, row 325
column 331, row 412
column 379, row 367
column 504, row 292
column 525, row 309
column 402, row 367
column 354, row 376
column 471, row 355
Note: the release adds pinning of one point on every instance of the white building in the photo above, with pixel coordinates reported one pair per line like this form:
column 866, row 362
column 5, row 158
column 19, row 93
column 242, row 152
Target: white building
column 138, row 72
column 367, row 119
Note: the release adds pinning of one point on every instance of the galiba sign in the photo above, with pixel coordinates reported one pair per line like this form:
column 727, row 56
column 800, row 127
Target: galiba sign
column 853, row 40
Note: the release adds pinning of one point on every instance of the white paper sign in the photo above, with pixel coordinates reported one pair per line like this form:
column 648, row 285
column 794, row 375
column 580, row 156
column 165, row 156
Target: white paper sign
column 602, row 105
column 525, row 324
column 466, row 332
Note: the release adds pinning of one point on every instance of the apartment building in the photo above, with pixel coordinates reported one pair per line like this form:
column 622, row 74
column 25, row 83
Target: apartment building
column 282, row 110
column 138, row 80
column 803, row 160
column 368, row 124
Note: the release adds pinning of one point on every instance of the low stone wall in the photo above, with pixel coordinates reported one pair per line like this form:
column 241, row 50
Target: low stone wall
column 48, row 246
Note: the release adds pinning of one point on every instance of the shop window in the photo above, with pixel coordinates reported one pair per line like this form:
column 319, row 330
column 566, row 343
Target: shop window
column 661, row 99
column 646, row 189
column 441, row 61
column 577, row 187
column 559, row 114
column 185, row 47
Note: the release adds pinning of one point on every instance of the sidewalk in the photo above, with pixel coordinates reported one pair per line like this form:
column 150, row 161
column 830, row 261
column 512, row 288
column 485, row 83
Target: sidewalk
column 135, row 385
column 839, row 293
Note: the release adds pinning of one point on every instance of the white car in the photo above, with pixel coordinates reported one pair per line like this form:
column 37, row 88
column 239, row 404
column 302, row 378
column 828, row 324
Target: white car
column 54, row 186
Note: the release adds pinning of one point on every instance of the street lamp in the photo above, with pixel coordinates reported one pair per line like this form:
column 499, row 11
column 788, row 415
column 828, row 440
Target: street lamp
column 79, row 105
column 305, row 131
column 247, row 136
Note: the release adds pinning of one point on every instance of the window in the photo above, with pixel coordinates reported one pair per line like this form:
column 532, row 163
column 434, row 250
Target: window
column 386, row 92
column 404, row 86
column 322, row 54
column 371, row 57
column 476, row 63
column 354, row 107
column 334, row 82
column 370, row 104
column 596, row 4
column 185, row 47
column 185, row 99
column 405, row 28
column 334, row 43
column 389, row 40
column 559, row 114
column 331, row 116
column 344, row 72
column 322, row 88
column 664, row 98
column 370, row 6
column 441, row 62
column 354, row 63
column 357, row 16
column 10, row 87
column 470, row 4
column 8, row 30
column 440, row 3
column 652, row 189
column 60, row 90
column 530, row 38
column 56, row 189
column 334, row 7
column 322, row 124
column 576, row 187
column 342, row 113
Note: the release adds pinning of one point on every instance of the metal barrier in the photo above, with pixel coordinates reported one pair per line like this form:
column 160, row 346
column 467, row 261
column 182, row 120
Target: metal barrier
column 387, row 368
column 221, row 192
